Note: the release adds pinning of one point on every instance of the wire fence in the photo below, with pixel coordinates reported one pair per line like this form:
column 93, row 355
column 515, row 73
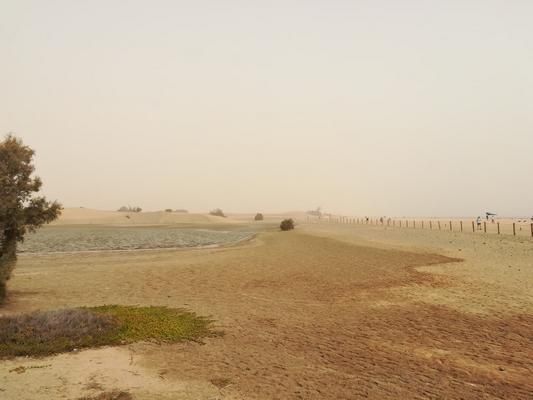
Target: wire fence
column 520, row 227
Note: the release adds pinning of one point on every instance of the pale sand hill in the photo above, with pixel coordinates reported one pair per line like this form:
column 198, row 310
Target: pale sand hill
column 83, row 216
column 298, row 216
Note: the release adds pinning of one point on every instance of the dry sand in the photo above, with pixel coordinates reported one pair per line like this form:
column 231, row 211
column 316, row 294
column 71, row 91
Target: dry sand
column 85, row 216
column 324, row 312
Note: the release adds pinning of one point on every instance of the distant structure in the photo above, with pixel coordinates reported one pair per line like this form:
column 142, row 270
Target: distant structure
column 316, row 213
column 491, row 215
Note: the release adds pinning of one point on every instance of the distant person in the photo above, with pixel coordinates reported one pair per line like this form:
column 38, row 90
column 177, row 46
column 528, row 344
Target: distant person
column 478, row 220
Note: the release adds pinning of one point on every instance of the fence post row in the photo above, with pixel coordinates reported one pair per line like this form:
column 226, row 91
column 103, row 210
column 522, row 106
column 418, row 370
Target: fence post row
column 375, row 221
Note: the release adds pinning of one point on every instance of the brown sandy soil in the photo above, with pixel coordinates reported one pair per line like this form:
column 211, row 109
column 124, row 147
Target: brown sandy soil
column 495, row 278
column 344, row 316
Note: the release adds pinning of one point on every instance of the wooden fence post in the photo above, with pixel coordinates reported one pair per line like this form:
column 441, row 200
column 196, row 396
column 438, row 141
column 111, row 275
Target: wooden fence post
column 422, row 224
column 461, row 223
column 439, row 225
column 514, row 229
column 498, row 228
column 484, row 227
column 451, row 226
column 473, row 229
column 532, row 229
column 430, row 225
column 414, row 224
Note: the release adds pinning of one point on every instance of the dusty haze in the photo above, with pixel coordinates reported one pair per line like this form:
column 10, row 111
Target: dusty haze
column 363, row 107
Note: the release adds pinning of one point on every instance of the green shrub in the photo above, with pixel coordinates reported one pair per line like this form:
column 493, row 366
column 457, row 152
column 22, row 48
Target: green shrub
column 287, row 224
column 258, row 217
column 50, row 332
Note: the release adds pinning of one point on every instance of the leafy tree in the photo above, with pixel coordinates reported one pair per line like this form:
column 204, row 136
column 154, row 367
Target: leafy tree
column 20, row 210
column 258, row 217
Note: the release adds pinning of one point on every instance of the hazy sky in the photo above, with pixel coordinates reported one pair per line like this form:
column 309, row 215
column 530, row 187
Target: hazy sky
column 364, row 107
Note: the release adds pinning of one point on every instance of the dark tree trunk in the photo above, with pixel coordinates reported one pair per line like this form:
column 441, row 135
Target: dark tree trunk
column 8, row 259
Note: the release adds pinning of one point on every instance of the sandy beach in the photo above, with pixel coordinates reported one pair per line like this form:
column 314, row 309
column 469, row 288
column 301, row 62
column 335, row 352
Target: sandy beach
column 324, row 312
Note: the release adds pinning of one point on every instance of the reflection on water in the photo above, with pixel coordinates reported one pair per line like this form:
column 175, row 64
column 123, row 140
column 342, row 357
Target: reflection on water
column 68, row 239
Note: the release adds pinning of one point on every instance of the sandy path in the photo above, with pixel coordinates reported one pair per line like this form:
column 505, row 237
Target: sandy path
column 305, row 318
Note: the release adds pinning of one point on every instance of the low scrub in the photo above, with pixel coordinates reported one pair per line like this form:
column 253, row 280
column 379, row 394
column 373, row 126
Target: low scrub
column 217, row 212
column 287, row 224
column 130, row 209
column 50, row 332
column 258, row 217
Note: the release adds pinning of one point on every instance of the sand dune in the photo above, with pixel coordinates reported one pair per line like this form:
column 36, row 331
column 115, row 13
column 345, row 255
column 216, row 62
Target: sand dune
column 82, row 216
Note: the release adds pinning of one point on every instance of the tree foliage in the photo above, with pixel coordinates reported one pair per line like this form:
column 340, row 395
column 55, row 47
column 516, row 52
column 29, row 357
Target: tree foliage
column 21, row 211
column 258, row 217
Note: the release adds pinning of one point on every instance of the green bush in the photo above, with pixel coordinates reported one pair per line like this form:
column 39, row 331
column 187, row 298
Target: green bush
column 287, row 224
column 258, row 217
column 50, row 332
